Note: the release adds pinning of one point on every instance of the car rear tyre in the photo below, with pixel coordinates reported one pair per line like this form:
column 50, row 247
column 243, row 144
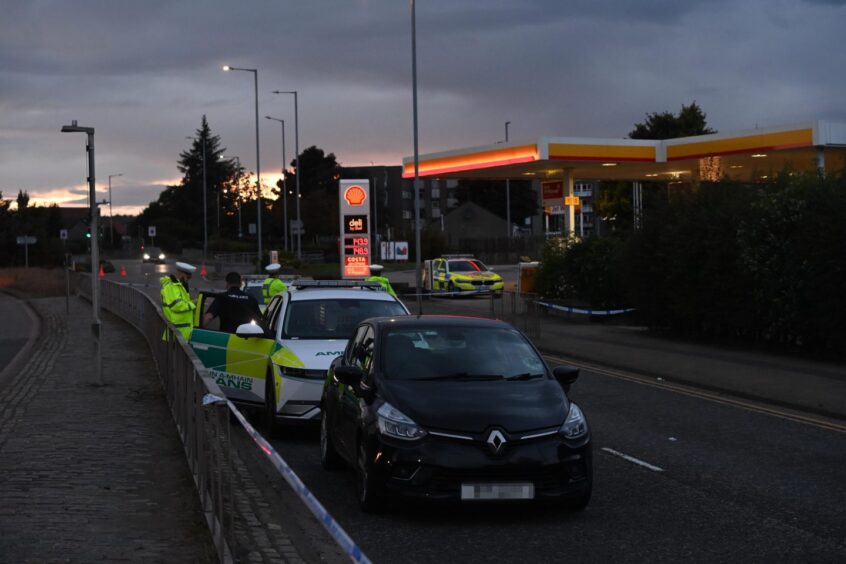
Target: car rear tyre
column 271, row 425
column 370, row 498
column 329, row 457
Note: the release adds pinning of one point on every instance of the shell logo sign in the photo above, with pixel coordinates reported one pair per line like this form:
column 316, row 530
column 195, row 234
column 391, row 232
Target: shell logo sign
column 355, row 195
column 354, row 228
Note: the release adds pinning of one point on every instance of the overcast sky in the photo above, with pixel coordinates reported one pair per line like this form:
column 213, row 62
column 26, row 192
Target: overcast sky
column 143, row 73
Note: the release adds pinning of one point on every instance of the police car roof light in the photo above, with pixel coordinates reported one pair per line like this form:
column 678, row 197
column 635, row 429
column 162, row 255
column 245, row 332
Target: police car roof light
column 303, row 284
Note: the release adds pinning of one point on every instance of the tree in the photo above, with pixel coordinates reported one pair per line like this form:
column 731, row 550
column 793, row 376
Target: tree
column 613, row 203
column 178, row 211
column 666, row 125
column 318, row 189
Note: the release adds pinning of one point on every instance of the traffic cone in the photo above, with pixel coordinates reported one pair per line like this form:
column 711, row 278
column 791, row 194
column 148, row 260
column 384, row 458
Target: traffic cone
column 102, row 272
column 203, row 271
column 122, row 270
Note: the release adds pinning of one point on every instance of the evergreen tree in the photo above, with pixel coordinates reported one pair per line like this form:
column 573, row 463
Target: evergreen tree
column 178, row 212
column 666, row 125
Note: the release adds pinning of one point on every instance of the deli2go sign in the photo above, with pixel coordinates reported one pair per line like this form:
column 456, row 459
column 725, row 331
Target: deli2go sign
column 354, row 227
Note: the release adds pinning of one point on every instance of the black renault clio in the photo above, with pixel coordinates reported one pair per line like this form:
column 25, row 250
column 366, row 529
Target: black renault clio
column 453, row 409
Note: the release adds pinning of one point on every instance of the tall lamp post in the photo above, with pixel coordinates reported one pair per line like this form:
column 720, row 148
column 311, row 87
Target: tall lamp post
column 297, row 166
column 284, row 182
column 111, row 221
column 205, row 206
column 95, row 251
column 418, row 270
column 258, row 156
column 507, row 192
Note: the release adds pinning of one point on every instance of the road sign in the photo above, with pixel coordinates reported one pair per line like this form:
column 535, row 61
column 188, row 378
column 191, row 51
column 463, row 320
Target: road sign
column 151, row 231
column 252, row 229
column 27, row 240
column 63, row 234
column 571, row 201
column 274, row 257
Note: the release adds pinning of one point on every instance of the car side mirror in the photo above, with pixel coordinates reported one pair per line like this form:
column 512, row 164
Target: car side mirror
column 349, row 375
column 247, row 330
column 566, row 376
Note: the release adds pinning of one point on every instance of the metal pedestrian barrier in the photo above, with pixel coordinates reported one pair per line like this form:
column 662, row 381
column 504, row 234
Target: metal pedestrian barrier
column 201, row 412
column 520, row 310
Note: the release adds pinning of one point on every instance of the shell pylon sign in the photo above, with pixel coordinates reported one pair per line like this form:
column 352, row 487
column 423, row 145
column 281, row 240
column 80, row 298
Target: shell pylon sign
column 354, row 199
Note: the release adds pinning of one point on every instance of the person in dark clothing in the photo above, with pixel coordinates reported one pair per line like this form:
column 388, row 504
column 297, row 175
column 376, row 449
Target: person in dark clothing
column 233, row 306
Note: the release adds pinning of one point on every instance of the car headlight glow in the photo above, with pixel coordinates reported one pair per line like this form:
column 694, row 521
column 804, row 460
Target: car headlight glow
column 146, row 256
column 575, row 426
column 394, row 423
column 161, row 256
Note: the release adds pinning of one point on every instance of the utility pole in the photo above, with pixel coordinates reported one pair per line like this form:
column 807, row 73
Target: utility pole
column 507, row 192
column 95, row 251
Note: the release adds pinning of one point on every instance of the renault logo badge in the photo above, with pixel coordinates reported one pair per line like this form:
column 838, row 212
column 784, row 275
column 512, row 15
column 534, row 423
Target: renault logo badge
column 496, row 441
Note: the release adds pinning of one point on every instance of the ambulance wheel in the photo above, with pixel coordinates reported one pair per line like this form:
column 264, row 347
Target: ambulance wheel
column 270, row 423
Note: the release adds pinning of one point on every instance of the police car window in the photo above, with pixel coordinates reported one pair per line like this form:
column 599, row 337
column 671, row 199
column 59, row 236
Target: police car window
column 463, row 266
column 333, row 319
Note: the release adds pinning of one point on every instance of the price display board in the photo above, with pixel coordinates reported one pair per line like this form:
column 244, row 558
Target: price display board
column 354, row 199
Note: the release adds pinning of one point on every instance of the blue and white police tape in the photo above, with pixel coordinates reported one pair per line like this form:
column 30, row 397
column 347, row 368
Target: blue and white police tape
column 454, row 293
column 583, row 311
column 332, row 527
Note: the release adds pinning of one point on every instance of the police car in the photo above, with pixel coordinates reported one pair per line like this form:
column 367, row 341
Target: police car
column 456, row 274
column 278, row 364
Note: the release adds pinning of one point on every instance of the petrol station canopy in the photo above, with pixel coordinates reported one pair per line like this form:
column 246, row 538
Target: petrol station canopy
column 752, row 155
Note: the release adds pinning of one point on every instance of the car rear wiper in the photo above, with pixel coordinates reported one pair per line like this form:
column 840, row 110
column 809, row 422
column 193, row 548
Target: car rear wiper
column 525, row 376
column 463, row 376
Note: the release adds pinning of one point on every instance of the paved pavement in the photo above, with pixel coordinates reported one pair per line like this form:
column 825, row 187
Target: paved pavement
column 91, row 473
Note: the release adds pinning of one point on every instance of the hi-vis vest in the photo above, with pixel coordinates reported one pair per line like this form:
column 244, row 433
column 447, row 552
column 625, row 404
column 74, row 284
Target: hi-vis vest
column 177, row 306
column 270, row 287
column 386, row 284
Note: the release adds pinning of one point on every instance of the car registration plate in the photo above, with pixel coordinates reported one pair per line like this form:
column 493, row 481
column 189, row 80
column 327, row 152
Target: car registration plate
column 497, row 491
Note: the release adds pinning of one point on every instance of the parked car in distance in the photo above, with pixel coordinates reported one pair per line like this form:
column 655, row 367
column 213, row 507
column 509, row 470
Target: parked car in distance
column 461, row 409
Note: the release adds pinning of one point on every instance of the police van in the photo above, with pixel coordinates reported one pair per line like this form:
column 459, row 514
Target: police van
column 277, row 365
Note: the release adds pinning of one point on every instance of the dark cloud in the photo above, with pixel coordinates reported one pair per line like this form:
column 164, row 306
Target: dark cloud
column 143, row 74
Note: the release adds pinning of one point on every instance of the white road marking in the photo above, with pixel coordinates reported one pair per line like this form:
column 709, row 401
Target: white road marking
column 633, row 460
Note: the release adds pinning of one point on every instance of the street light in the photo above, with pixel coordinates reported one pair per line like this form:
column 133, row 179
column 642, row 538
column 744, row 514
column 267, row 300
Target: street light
column 416, row 160
column 258, row 154
column 284, row 182
column 507, row 192
column 111, row 221
column 95, row 251
column 205, row 206
column 297, row 166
